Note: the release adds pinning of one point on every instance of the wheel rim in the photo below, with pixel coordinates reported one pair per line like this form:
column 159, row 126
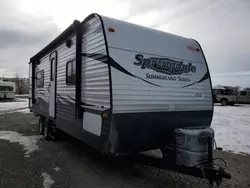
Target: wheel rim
column 45, row 131
column 40, row 127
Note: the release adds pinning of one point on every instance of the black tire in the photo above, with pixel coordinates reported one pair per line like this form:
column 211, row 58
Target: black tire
column 224, row 102
column 56, row 133
column 40, row 125
column 47, row 131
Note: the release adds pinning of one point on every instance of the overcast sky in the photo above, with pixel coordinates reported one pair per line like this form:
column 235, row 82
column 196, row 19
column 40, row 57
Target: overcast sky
column 221, row 26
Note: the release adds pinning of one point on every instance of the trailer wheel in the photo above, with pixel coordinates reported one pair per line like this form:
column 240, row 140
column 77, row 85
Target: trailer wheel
column 56, row 134
column 47, row 130
column 41, row 122
column 224, row 102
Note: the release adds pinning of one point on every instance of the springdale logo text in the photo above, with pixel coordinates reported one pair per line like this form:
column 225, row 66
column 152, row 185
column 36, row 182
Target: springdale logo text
column 164, row 65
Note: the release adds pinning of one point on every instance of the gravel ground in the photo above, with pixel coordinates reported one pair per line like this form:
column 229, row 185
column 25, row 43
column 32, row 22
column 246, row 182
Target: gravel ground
column 71, row 164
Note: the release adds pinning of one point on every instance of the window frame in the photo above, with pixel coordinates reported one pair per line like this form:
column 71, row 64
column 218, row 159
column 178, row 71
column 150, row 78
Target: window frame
column 40, row 86
column 73, row 61
column 52, row 67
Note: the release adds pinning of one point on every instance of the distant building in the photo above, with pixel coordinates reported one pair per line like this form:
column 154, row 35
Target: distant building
column 22, row 84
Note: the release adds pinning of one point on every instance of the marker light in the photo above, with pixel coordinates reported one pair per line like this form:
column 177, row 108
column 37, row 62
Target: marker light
column 111, row 29
column 105, row 115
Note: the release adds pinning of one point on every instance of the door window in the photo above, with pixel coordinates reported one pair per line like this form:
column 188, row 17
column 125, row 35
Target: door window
column 52, row 73
column 53, row 59
column 243, row 93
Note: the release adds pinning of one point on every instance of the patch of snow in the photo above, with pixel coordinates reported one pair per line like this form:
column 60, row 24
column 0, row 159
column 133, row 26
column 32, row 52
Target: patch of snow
column 29, row 143
column 218, row 87
column 153, row 153
column 8, row 107
column 57, row 168
column 47, row 180
column 24, row 111
column 22, row 96
column 232, row 128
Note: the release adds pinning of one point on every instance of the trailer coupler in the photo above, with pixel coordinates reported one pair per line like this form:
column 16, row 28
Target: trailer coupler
column 214, row 174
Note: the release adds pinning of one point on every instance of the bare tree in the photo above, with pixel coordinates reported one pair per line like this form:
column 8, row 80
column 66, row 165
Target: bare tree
column 19, row 84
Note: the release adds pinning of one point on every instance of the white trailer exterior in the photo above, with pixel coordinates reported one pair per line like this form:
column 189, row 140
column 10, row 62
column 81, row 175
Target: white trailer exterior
column 121, row 87
column 7, row 90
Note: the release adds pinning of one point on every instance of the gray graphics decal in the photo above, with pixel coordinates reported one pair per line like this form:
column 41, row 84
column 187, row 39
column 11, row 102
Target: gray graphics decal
column 174, row 68
column 164, row 65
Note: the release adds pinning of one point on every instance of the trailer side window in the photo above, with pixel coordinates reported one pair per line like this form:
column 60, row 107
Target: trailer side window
column 40, row 79
column 71, row 72
column 6, row 88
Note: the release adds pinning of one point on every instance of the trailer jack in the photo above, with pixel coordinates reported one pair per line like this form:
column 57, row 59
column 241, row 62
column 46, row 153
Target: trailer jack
column 211, row 172
column 214, row 175
column 208, row 170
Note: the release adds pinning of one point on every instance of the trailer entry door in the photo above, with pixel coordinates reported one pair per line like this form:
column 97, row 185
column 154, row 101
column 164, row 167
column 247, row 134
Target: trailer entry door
column 52, row 84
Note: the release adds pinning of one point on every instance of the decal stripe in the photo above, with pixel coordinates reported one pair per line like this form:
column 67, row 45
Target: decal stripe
column 206, row 76
column 115, row 65
column 62, row 99
column 71, row 99
column 190, row 84
column 118, row 67
column 41, row 92
column 86, row 104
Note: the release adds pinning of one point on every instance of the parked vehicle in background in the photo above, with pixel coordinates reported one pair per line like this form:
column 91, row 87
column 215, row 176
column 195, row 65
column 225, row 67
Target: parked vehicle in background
column 225, row 96
column 244, row 97
column 7, row 90
column 230, row 96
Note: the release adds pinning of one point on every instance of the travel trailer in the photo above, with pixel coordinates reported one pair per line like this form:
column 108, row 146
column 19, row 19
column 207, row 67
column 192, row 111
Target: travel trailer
column 7, row 90
column 123, row 88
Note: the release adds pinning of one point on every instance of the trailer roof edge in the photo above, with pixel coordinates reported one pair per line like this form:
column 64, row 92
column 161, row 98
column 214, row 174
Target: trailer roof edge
column 67, row 32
